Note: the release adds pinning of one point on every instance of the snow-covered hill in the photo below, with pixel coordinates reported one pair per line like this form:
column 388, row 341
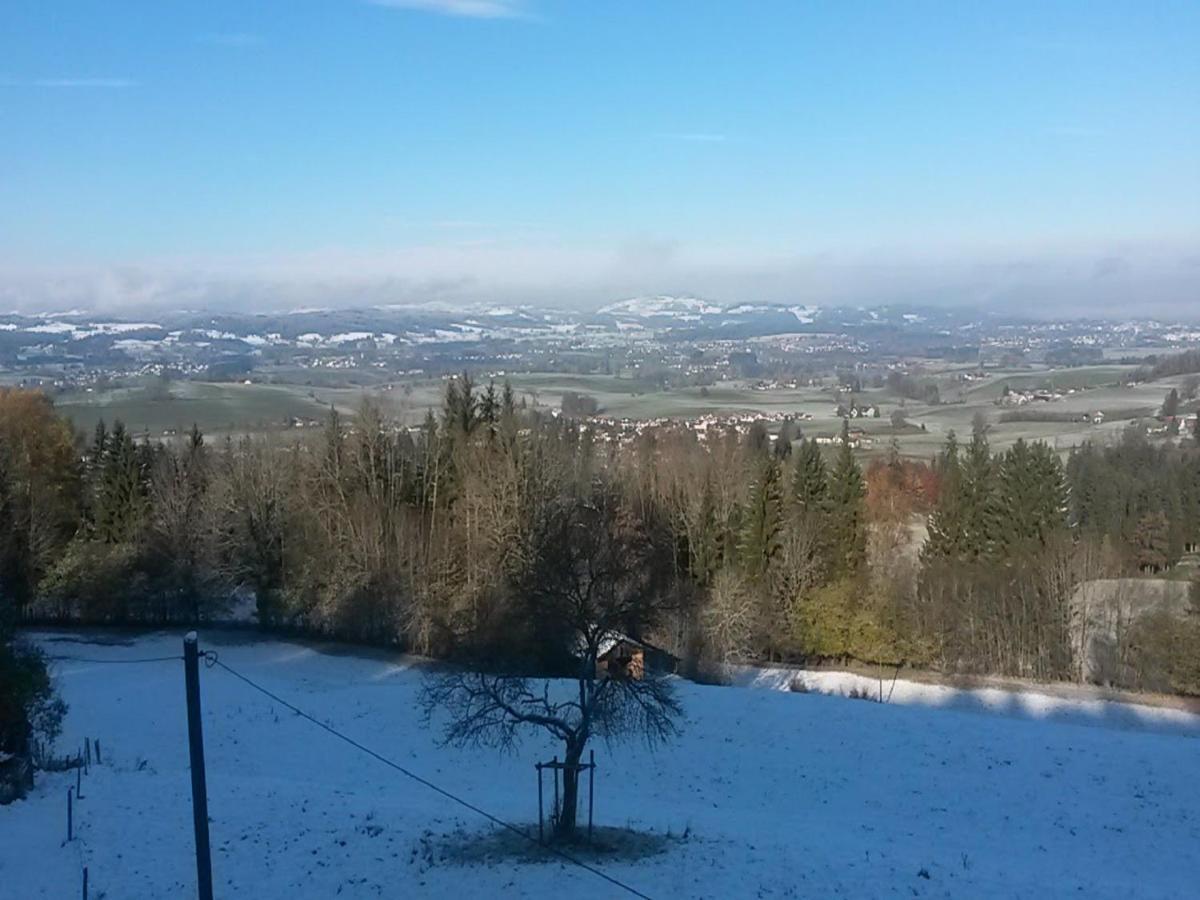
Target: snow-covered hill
column 662, row 305
column 781, row 794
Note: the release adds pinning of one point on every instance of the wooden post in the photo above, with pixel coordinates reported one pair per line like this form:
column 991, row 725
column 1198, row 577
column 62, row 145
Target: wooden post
column 191, row 678
column 85, row 896
column 78, row 783
column 557, row 809
column 99, row 760
column 70, row 814
column 591, row 790
column 541, row 834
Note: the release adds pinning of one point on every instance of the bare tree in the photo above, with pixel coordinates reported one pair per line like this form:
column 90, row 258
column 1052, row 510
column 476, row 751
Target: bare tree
column 597, row 576
column 732, row 619
column 252, row 499
column 182, row 534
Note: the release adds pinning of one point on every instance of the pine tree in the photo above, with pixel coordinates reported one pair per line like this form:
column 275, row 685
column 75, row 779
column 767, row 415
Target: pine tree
column 489, row 406
column 460, row 411
column 758, row 441
column 783, row 443
column 1031, row 498
column 810, row 489
column 120, row 492
column 978, row 495
column 1170, row 407
column 945, row 538
column 847, row 513
column 762, row 521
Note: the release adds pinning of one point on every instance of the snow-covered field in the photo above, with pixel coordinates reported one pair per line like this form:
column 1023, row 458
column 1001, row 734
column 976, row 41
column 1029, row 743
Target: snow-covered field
column 782, row 794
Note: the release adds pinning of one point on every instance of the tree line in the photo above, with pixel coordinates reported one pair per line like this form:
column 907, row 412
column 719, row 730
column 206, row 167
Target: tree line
column 441, row 539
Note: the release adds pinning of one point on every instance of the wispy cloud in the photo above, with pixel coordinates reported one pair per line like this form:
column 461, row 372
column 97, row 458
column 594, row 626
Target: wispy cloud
column 85, row 83
column 230, row 39
column 470, row 9
column 695, row 137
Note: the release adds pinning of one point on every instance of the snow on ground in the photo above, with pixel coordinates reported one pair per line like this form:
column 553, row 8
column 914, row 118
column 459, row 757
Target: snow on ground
column 1080, row 706
column 783, row 794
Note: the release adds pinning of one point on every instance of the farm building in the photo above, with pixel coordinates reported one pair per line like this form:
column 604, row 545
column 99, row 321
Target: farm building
column 625, row 657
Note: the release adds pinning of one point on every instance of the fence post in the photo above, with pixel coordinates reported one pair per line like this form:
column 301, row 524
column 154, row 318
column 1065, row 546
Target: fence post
column 85, row 892
column 191, row 678
column 78, row 783
column 557, row 809
column 591, row 790
column 99, row 760
column 541, row 835
column 70, row 814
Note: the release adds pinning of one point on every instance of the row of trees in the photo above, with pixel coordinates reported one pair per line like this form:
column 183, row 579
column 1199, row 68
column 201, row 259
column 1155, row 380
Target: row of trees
column 434, row 539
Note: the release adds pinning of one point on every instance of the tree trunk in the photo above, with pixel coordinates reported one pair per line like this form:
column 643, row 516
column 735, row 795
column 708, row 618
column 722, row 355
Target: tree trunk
column 565, row 827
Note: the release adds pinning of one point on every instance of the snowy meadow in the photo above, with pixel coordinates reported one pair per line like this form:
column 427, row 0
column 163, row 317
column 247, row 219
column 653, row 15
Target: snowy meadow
column 766, row 793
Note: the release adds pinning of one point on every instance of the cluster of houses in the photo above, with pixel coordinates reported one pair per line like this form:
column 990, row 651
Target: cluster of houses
column 775, row 385
column 854, row 411
column 1020, row 398
column 626, row 431
column 856, row 437
column 1183, row 425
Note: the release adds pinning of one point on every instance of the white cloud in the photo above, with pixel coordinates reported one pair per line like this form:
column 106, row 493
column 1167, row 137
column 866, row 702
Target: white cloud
column 472, row 9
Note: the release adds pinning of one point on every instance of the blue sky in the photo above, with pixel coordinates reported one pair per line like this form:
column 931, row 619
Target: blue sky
column 502, row 147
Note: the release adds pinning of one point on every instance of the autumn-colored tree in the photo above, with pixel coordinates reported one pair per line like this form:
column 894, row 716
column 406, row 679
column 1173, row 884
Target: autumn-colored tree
column 39, row 491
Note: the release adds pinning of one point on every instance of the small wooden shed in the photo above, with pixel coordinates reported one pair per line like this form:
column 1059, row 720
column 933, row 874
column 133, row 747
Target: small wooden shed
column 625, row 657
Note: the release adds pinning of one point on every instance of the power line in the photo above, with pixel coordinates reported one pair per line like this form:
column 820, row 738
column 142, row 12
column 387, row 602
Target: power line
column 211, row 659
column 85, row 659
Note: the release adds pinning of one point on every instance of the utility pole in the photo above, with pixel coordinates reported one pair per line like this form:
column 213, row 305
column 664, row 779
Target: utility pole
column 191, row 673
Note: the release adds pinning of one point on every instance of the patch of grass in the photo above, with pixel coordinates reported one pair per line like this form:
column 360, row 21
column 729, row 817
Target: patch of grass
column 472, row 848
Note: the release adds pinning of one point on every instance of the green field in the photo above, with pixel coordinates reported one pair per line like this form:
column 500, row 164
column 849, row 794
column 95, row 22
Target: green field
column 158, row 408
column 216, row 408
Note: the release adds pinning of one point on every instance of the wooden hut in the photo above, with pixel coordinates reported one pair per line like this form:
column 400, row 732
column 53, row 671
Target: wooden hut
column 625, row 657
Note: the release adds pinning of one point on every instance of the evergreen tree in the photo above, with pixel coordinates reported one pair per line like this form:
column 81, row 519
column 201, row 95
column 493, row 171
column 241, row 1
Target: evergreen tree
column 460, row 412
column 810, row 489
column 1031, row 498
column 489, row 407
column 120, row 494
column 783, row 443
column 758, row 441
column 946, row 529
column 978, row 495
column 847, row 512
column 1170, row 407
column 762, row 521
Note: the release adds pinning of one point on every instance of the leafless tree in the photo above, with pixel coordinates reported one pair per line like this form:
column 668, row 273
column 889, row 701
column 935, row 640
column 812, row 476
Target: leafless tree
column 732, row 619
column 597, row 575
